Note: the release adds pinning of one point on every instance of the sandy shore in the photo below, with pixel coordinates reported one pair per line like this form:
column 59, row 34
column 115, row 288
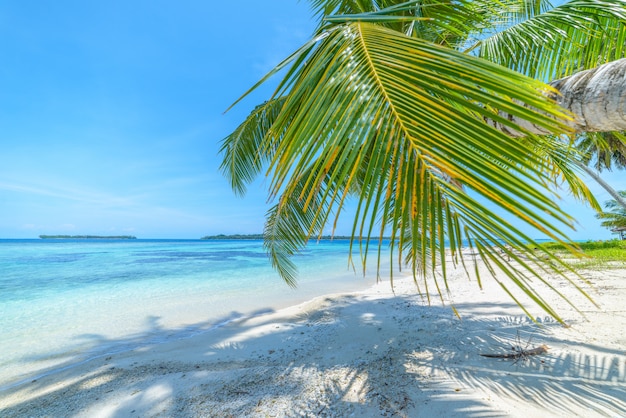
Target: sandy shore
column 372, row 353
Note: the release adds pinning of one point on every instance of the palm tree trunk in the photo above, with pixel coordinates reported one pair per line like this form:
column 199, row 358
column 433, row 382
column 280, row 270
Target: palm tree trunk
column 596, row 98
column 594, row 175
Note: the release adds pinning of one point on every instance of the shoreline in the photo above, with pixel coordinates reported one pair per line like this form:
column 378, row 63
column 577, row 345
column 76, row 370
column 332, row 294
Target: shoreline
column 367, row 353
column 172, row 297
column 149, row 328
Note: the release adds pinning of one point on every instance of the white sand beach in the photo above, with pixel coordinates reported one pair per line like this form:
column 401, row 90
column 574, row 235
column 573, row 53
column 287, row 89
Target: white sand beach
column 367, row 354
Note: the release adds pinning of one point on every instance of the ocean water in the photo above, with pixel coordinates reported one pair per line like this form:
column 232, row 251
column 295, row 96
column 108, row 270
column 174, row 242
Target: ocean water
column 65, row 301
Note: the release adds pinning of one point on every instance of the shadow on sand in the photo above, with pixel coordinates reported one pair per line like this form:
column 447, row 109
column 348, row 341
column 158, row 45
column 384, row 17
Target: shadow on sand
column 351, row 355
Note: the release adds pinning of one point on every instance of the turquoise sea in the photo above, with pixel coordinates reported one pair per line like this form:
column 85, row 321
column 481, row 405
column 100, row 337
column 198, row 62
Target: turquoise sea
column 65, row 301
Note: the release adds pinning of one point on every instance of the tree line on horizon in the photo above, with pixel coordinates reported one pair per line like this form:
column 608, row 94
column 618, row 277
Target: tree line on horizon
column 87, row 237
column 261, row 236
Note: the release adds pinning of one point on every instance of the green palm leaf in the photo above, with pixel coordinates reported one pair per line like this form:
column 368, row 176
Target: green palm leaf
column 446, row 23
column 603, row 150
column 616, row 215
column 612, row 220
column 397, row 122
column 245, row 151
column 577, row 35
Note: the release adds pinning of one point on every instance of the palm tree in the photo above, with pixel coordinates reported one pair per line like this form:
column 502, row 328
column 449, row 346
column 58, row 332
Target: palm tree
column 603, row 151
column 615, row 216
column 386, row 105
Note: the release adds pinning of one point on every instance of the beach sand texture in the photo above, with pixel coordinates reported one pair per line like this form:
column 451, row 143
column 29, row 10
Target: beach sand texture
column 367, row 354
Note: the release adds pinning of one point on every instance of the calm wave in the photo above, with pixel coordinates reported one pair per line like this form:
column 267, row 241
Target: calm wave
column 66, row 300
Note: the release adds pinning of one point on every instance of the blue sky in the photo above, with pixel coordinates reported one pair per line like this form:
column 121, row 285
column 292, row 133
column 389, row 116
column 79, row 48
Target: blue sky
column 111, row 115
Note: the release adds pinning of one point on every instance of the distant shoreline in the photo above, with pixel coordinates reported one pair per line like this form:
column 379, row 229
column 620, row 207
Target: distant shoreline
column 87, row 237
column 261, row 237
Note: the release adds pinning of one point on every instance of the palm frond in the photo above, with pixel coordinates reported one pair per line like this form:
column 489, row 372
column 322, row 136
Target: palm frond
column 612, row 220
column 614, row 206
column 615, row 216
column 442, row 22
column 246, row 150
column 395, row 120
column 294, row 220
column 563, row 159
column 577, row 35
column 603, row 150
column 521, row 10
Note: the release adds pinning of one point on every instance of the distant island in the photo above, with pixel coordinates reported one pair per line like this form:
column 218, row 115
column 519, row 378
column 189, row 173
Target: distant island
column 260, row 236
column 234, row 236
column 87, row 237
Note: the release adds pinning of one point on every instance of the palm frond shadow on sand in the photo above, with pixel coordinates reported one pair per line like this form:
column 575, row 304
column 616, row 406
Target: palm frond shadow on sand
column 347, row 355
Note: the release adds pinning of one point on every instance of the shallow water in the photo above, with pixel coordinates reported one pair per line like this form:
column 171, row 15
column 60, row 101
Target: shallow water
column 63, row 301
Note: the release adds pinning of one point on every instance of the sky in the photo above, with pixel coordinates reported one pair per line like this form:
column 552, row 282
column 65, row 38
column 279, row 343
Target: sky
column 112, row 114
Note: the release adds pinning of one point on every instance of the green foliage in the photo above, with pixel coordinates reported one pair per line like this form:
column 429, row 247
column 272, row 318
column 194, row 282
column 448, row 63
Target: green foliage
column 234, row 236
column 589, row 246
column 615, row 216
column 386, row 104
column 87, row 237
column 603, row 150
column 574, row 36
column 600, row 254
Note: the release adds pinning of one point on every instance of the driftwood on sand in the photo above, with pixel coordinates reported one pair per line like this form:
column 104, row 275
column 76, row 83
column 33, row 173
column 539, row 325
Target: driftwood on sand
column 519, row 353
